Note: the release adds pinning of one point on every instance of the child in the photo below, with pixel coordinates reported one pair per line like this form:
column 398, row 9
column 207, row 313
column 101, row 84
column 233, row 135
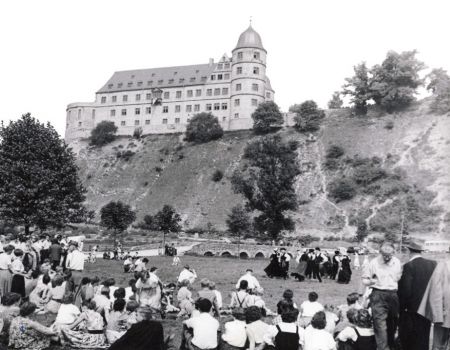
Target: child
column 39, row 294
column 361, row 334
column 131, row 313
column 332, row 318
column 288, row 295
column 352, row 303
column 286, row 335
column 212, row 286
column 55, row 295
column 184, row 297
column 255, row 327
column 176, row 260
column 117, row 321
column 235, row 334
column 309, row 308
column 67, row 313
column 316, row 337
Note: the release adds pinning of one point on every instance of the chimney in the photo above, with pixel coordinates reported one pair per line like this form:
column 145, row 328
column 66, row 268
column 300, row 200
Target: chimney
column 211, row 61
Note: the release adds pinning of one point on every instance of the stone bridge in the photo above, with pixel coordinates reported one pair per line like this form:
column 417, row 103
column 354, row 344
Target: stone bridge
column 246, row 251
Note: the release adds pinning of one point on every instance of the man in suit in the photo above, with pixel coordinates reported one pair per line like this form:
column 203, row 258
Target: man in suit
column 414, row 329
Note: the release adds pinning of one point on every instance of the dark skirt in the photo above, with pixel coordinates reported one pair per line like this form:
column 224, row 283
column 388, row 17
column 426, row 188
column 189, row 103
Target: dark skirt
column 18, row 285
column 344, row 275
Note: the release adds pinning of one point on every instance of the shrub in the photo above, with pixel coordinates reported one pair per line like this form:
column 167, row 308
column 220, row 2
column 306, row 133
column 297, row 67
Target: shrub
column 203, row 127
column 331, row 164
column 126, row 155
column 158, row 169
column 335, row 151
column 266, row 117
column 181, row 156
column 103, row 133
column 217, row 176
column 308, row 116
column 389, row 125
column 137, row 133
column 368, row 173
column 342, row 189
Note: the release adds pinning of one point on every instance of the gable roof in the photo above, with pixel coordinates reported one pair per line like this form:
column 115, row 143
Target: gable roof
column 140, row 79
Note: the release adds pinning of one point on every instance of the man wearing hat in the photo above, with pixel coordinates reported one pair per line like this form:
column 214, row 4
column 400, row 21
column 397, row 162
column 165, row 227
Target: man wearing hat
column 75, row 262
column 414, row 329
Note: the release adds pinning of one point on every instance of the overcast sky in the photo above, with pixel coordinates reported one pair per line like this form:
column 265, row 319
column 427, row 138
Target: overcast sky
column 57, row 52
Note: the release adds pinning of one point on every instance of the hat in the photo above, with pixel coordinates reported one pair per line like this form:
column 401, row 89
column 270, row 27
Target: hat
column 75, row 244
column 415, row 246
column 186, row 266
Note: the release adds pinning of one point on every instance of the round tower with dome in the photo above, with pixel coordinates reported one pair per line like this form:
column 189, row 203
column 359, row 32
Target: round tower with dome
column 249, row 83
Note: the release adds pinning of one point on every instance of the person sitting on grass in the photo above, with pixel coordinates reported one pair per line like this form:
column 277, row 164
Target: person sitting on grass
column 352, row 303
column 26, row 334
column 241, row 298
column 207, row 293
column 8, row 310
column 315, row 335
column 361, row 334
column 288, row 295
column 184, row 298
column 57, row 292
column 283, row 307
column 39, row 295
column 212, row 286
column 117, row 321
column 286, row 335
column 235, row 334
column 332, row 318
column 131, row 313
column 200, row 332
column 67, row 313
column 102, row 302
column 309, row 308
column 255, row 327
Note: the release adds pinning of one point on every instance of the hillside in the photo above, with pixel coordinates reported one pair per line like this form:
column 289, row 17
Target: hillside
column 411, row 146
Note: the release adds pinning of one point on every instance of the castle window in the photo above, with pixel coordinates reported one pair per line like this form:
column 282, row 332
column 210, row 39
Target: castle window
column 239, row 70
column 238, row 87
column 256, row 55
column 236, row 115
column 188, row 108
column 196, row 108
column 148, row 110
column 137, row 111
column 255, row 70
column 227, row 66
column 147, row 122
column 123, row 112
column 216, row 92
column 177, row 109
column 220, row 66
column 139, row 83
column 240, row 55
column 213, row 77
column 237, row 102
column 110, row 86
column 112, row 112
column 153, row 74
column 170, row 81
column 227, row 76
column 255, row 87
column 130, row 84
column 123, row 123
column 198, row 92
column 177, row 120
column 166, row 109
column 208, row 106
column 192, row 80
column 181, row 81
column 224, row 106
column 158, row 94
column 224, row 91
column 208, row 92
column 93, row 114
column 148, row 96
column 125, row 98
column 254, row 102
column 103, row 99
column 175, row 73
column 268, row 94
column 167, row 95
column 219, row 76
column 138, row 97
column 119, row 85
column 190, row 93
column 178, row 95
column 160, row 82
column 164, row 121
column 79, row 124
column 216, row 106
column 150, row 82
column 136, row 122
column 114, row 98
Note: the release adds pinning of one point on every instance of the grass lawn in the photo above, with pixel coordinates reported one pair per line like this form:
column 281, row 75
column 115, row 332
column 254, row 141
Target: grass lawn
column 225, row 272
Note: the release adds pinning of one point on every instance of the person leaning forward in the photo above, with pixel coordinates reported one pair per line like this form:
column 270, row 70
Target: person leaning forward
column 382, row 275
column 414, row 329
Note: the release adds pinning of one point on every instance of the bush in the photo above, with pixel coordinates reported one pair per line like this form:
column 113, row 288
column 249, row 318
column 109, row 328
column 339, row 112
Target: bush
column 158, row 169
column 342, row 189
column 308, row 116
column 389, row 125
column 368, row 173
column 137, row 133
column 331, row 164
column 217, row 176
column 266, row 117
column 335, row 151
column 125, row 155
column 103, row 134
column 203, row 127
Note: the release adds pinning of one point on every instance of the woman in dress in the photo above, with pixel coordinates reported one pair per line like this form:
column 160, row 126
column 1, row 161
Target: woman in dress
column 90, row 333
column 345, row 272
column 40, row 294
column 273, row 269
column 54, row 297
column 5, row 270
column 8, row 310
column 302, row 263
column 184, row 298
column 18, row 271
column 27, row 334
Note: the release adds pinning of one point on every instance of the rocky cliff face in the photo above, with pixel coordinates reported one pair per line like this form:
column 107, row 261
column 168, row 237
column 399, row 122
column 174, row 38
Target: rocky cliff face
column 162, row 169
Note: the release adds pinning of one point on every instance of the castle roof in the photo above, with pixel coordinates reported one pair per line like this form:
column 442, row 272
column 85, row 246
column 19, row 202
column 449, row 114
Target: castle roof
column 250, row 38
column 158, row 78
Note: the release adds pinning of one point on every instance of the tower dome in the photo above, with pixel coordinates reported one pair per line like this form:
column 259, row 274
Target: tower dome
column 250, row 38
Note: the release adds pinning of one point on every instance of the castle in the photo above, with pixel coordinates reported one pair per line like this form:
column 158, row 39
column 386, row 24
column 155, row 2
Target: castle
column 162, row 100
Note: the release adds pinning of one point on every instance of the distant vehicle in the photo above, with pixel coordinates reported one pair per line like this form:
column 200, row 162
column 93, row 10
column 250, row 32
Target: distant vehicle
column 437, row 246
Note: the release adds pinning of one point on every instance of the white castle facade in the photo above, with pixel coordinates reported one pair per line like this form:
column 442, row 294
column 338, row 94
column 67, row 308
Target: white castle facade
column 162, row 100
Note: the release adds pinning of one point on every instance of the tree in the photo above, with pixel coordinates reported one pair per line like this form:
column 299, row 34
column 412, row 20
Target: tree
column 238, row 223
column 266, row 117
column 358, row 88
column 394, row 82
column 342, row 189
column 203, row 127
column 439, row 84
column 267, row 183
column 361, row 231
column 335, row 102
column 116, row 216
column 39, row 183
column 103, row 133
column 167, row 220
column 308, row 116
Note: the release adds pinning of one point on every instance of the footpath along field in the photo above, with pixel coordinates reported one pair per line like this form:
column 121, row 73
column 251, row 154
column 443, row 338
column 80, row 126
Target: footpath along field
column 225, row 272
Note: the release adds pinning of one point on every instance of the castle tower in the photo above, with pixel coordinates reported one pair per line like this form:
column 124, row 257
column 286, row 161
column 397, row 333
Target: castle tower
column 248, row 79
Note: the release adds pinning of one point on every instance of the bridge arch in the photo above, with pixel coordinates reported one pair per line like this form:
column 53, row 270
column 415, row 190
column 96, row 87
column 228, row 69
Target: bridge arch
column 260, row 255
column 226, row 254
column 208, row 253
column 244, row 255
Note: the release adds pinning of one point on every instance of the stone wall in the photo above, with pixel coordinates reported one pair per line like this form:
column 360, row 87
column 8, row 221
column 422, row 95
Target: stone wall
column 246, row 251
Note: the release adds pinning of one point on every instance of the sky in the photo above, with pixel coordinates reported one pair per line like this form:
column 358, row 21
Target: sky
column 55, row 52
